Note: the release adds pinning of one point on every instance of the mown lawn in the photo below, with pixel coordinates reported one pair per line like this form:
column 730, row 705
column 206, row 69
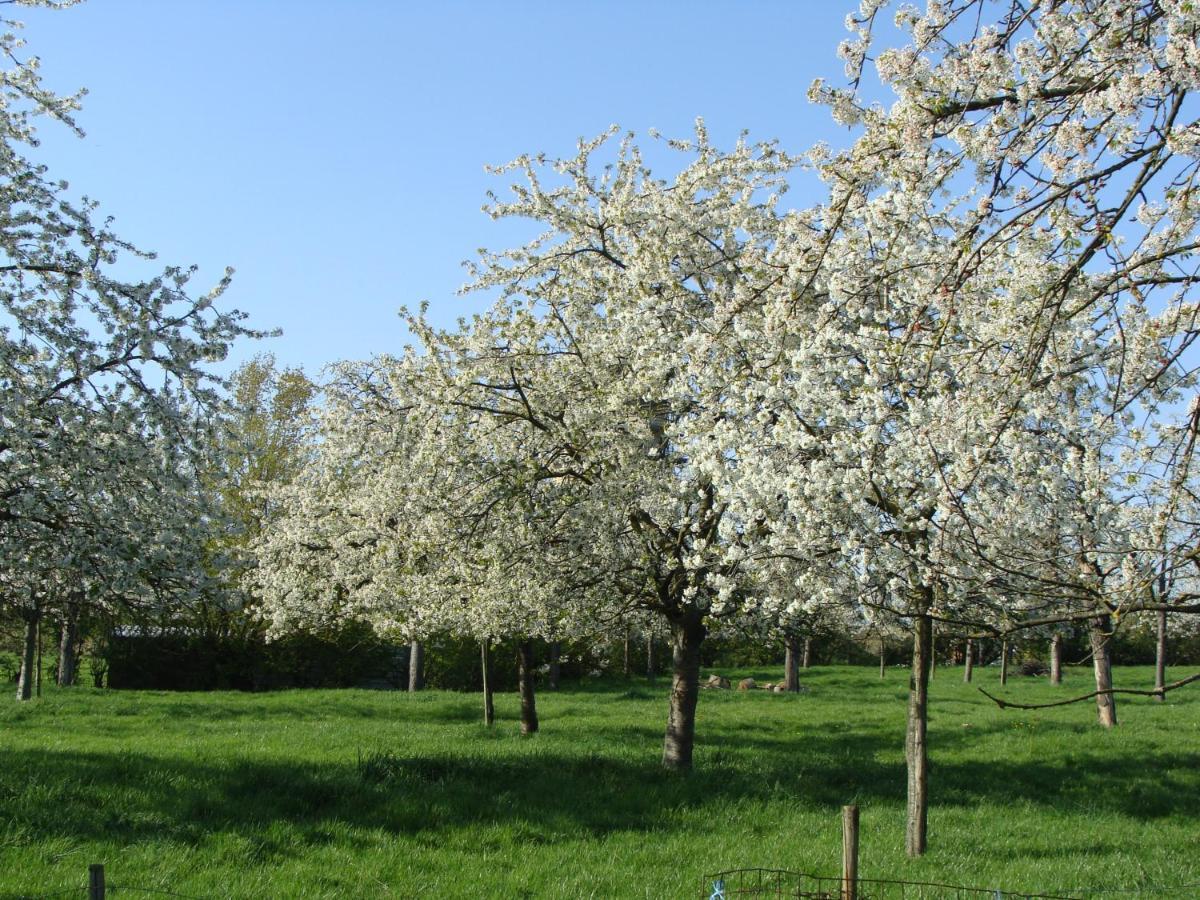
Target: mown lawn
column 364, row 794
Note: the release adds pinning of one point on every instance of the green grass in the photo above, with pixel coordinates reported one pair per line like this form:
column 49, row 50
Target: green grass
column 364, row 794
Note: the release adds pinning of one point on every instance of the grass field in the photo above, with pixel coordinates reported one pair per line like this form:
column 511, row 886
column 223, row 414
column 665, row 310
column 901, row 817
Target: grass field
column 363, row 794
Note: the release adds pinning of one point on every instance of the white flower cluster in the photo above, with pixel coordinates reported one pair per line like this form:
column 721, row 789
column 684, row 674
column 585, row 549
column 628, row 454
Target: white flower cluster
column 952, row 389
column 105, row 396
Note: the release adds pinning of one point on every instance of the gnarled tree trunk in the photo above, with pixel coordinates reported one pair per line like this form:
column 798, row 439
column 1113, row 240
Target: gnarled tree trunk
column 1056, row 659
column 525, row 675
column 791, row 664
column 968, row 661
column 687, row 634
column 489, row 708
column 915, row 746
column 1106, row 704
column 416, row 667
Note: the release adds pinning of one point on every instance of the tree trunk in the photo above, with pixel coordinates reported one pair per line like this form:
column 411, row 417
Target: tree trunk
column 915, row 747
column 791, row 664
column 1056, row 659
column 882, row 658
column 1004, row 662
column 932, row 650
column 686, row 637
column 37, row 670
column 416, row 667
column 1160, row 656
column 555, row 668
column 1106, row 704
column 28, row 657
column 68, row 658
column 529, row 719
column 650, row 656
column 489, row 708
column 968, row 661
column 807, row 661
column 627, row 666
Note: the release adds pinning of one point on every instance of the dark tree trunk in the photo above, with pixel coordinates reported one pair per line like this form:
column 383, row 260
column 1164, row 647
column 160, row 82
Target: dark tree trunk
column 686, row 638
column 650, row 656
column 627, row 665
column 915, row 746
column 791, row 664
column 525, row 675
column 968, row 661
column 807, row 661
column 489, row 708
column 1056, row 659
column 1106, row 704
column 555, row 668
column 882, row 658
column 1004, row 662
column 25, row 680
column 1160, row 657
column 416, row 667
column 68, row 659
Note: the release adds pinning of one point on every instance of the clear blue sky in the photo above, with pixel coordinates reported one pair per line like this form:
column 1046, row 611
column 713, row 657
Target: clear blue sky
column 333, row 153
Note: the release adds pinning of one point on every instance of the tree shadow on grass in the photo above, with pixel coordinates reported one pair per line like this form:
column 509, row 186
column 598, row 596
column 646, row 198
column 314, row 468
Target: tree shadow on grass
column 543, row 792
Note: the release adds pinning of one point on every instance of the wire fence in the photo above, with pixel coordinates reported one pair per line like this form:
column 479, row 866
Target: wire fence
column 784, row 883
column 90, row 891
column 804, row 886
column 738, row 883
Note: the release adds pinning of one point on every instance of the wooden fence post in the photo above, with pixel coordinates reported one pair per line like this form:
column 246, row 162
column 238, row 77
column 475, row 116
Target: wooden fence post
column 849, row 853
column 96, row 881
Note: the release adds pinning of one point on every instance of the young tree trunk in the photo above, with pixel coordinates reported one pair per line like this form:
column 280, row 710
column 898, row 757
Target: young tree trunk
column 882, row 658
column 628, row 663
column 915, row 747
column 68, row 662
column 686, row 637
column 555, row 668
column 807, row 661
column 1004, row 662
column 1056, row 659
column 28, row 657
column 1160, row 656
column 525, row 675
column 1106, row 704
column 650, row 656
column 791, row 664
column 968, row 661
column 489, row 708
column 416, row 667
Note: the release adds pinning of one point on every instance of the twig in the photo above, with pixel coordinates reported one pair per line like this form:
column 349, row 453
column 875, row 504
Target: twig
column 1157, row 692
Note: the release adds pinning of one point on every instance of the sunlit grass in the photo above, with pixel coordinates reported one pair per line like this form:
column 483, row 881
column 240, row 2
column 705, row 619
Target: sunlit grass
column 359, row 793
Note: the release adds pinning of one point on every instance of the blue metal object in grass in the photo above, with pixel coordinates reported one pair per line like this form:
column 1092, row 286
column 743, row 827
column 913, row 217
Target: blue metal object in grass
column 718, row 890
